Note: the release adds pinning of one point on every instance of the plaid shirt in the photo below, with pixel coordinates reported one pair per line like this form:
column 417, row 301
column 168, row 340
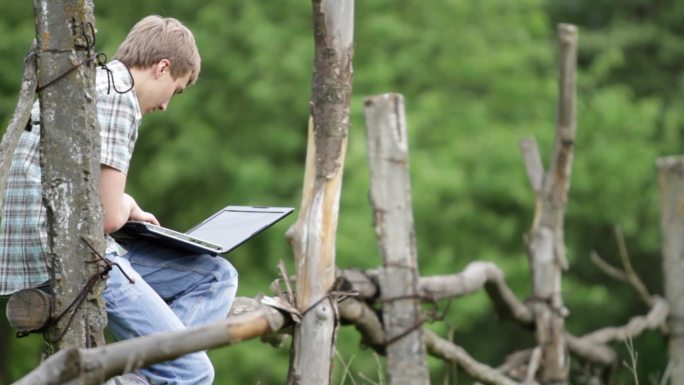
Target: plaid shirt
column 23, row 229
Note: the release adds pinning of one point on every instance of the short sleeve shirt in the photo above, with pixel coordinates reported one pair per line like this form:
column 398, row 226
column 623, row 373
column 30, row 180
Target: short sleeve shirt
column 23, row 227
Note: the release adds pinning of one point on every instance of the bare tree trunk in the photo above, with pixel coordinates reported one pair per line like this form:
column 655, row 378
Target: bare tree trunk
column 70, row 154
column 390, row 196
column 672, row 226
column 546, row 246
column 313, row 235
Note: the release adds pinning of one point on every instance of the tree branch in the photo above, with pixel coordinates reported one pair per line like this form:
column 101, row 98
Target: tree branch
column 475, row 276
column 656, row 317
column 632, row 276
column 370, row 327
column 96, row 365
column 439, row 347
column 366, row 321
column 591, row 351
column 607, row 268
column 593, row 346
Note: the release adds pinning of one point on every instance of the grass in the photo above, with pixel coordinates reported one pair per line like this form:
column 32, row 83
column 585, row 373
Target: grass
column 632, row 363
column 363, row 379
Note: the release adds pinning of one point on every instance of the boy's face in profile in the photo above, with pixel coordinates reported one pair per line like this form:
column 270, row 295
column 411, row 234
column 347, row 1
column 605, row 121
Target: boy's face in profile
column 160, row 87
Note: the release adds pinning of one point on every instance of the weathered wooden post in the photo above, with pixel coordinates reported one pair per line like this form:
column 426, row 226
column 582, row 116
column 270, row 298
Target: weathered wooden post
column 671, row 176
column 545, row 242
column 390, row 195
column 313, row 235
column 70, row 163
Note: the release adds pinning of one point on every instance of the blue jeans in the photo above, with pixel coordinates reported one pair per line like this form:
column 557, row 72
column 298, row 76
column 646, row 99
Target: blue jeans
column 172, row 291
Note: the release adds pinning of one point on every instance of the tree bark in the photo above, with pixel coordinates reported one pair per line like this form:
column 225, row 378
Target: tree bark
column 546, row 246
column 70, row 154
column 313, row 235
column 671, row 175
column 390, row 195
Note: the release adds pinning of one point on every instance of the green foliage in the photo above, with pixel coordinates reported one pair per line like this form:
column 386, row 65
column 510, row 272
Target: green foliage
column 476, row 77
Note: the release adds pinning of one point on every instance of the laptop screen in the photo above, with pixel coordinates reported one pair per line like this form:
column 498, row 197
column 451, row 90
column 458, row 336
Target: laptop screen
column 232, row 226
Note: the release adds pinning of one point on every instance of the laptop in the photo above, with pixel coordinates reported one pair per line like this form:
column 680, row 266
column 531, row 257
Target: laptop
column 221, row 233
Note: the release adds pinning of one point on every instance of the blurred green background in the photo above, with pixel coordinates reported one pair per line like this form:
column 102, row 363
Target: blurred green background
column 477, row 76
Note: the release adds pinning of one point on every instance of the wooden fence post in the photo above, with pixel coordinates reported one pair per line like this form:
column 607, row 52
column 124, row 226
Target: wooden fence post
column 70, row 163
column 390, row 194
column 671, row 175
column 313, row 235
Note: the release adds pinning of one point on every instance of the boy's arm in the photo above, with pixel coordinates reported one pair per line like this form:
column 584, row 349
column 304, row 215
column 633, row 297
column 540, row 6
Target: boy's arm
column 118, row 206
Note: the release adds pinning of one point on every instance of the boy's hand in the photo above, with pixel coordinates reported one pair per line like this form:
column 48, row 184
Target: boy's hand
column 143, row 216
column 137, row 214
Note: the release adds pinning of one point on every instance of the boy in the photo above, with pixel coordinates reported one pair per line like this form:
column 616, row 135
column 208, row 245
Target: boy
column 172, row 290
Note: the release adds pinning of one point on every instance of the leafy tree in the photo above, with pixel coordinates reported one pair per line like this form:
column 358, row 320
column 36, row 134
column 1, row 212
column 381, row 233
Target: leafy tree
column 477, row 77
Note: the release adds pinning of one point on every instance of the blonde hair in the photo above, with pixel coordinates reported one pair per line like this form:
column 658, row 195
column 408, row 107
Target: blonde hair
column 155, row 38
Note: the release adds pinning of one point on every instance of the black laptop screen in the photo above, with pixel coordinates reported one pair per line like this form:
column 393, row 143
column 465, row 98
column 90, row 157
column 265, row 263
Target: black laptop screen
column 229, row 228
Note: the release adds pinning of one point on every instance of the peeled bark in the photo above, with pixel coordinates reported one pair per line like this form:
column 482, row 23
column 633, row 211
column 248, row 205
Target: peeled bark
column 313, row 235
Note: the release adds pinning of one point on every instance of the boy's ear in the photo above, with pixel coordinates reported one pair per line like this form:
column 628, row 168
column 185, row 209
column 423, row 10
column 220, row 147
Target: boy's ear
column 162, row 66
